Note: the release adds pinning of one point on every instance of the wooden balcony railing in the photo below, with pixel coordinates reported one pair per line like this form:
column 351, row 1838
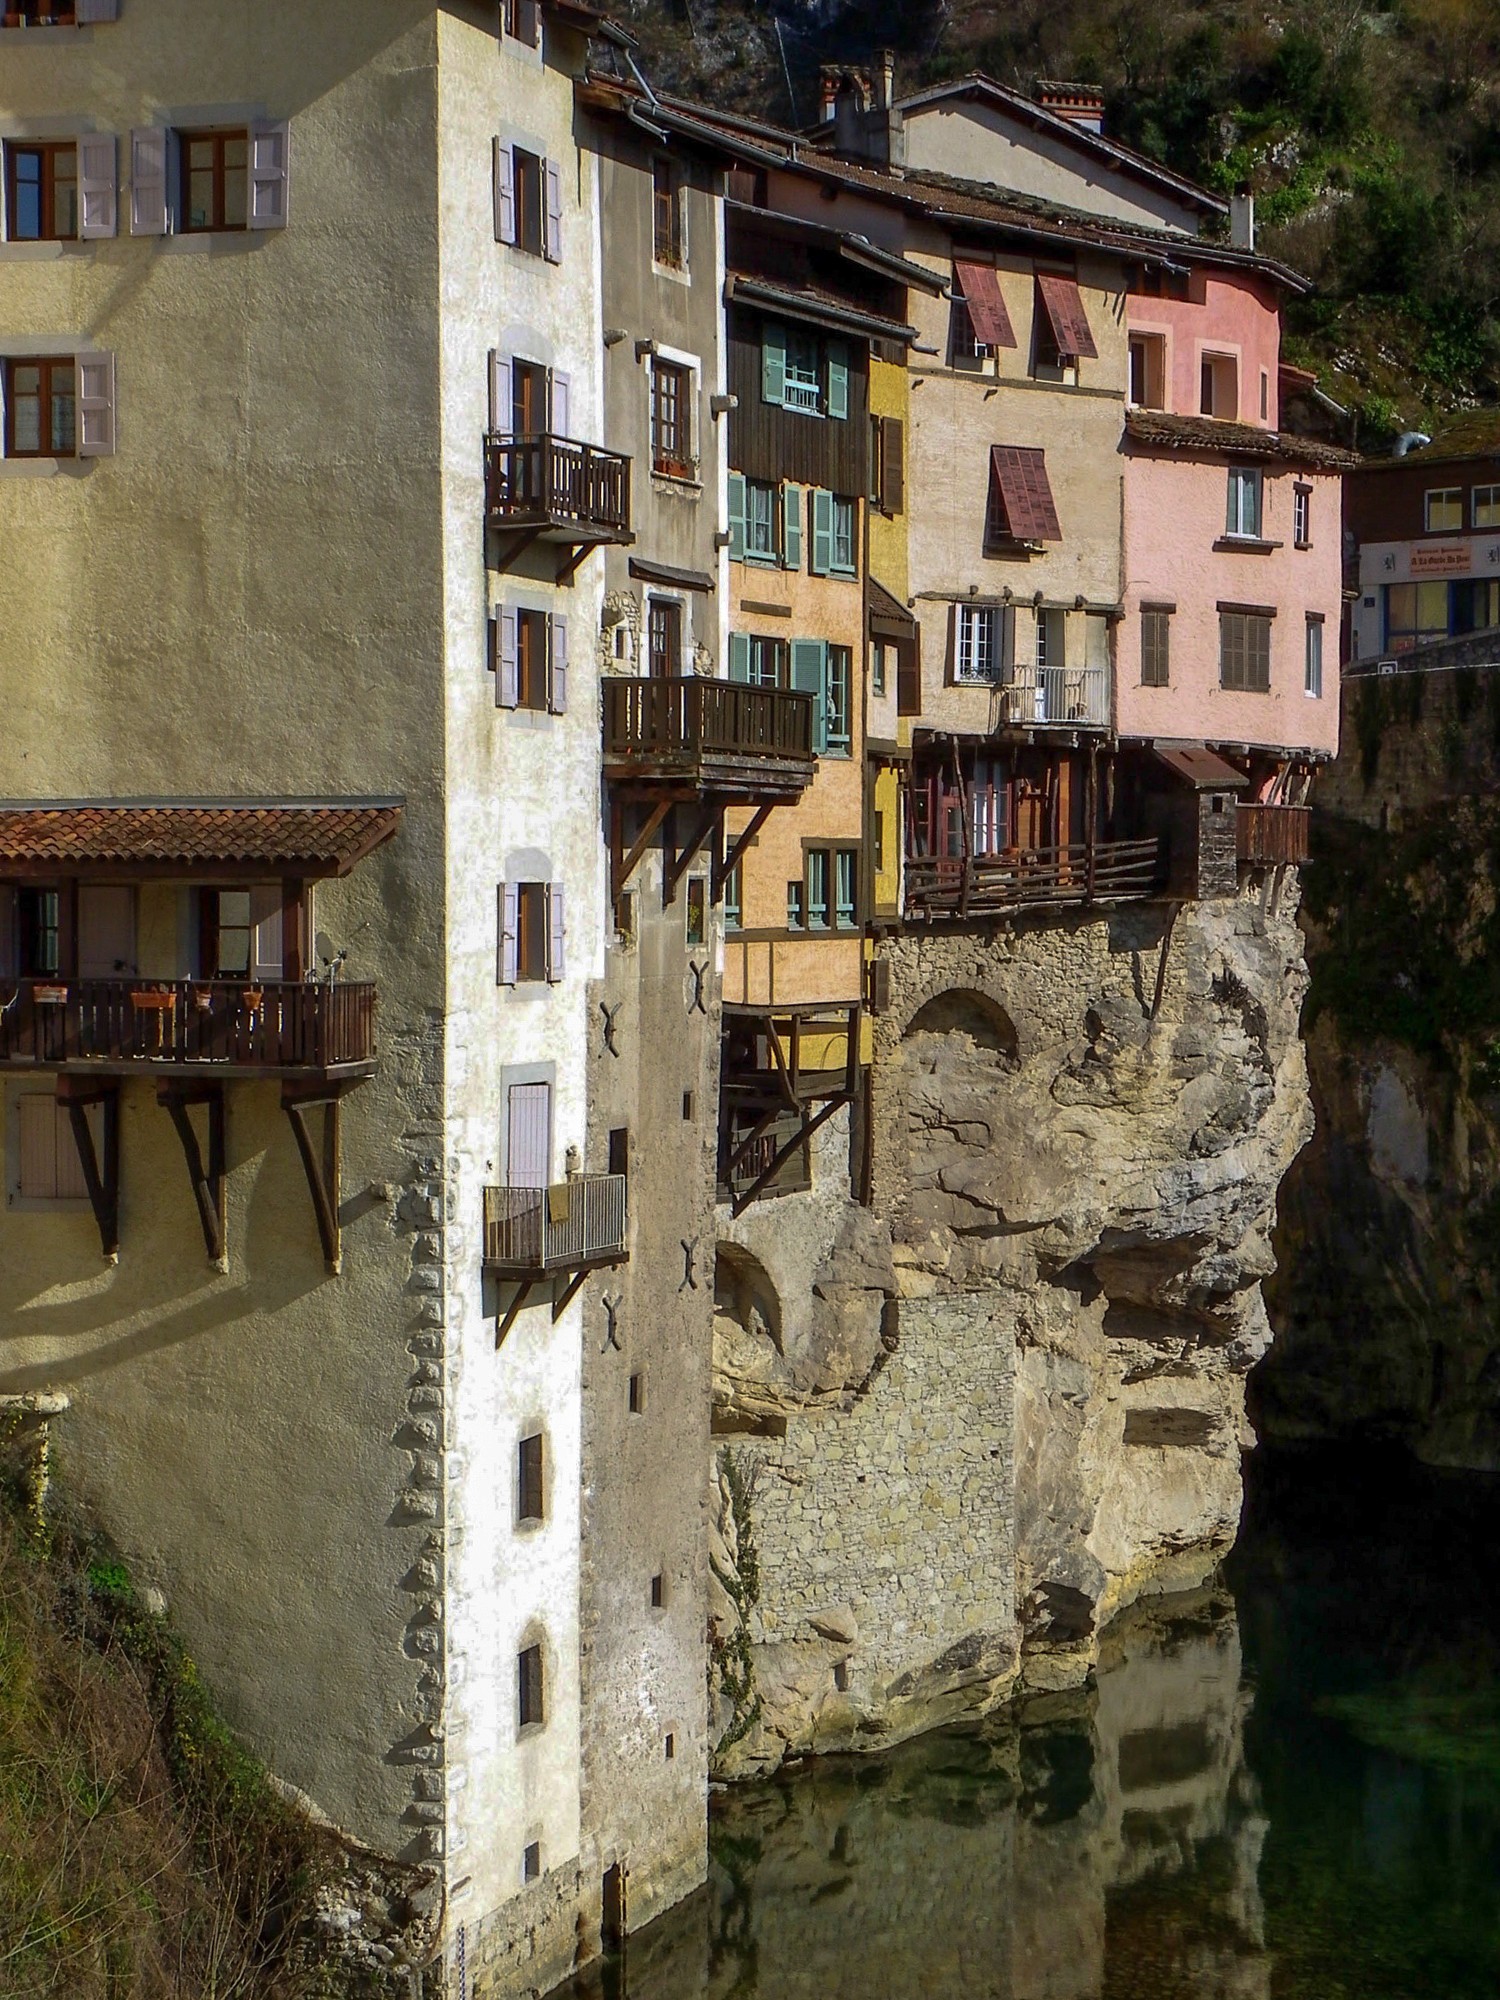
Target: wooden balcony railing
column 269, row 1027
column 1109, row 871
column 556, row 482
column 567, row 1227
column 1273, row 836
column 677, row 718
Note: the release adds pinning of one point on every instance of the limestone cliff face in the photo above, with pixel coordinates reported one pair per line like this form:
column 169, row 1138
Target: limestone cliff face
column 964, row 1427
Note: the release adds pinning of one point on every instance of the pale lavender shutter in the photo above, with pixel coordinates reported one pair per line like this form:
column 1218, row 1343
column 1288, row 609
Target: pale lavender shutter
column 557, row 668
column 501, row 405
column 528, row 1137
column 556, row 930
column 507, row 676
column 562, row 404
column 270, row 160
column 510, row 919
column 150, row 151
column 554, row 213
column 505, row 193
column 96, row 405
column 38, row 1162
column 98, row 199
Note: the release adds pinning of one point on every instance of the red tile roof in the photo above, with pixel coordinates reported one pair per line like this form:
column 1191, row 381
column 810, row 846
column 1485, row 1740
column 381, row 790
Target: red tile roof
column 1213, row 435
column 980, row 286
column 1071, row 333
column 312, row 839
column 1025, row 492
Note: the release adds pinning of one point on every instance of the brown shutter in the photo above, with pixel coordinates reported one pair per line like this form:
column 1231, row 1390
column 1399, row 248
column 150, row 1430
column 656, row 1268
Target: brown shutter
column 1062, row 308
column 1025, row 493
column 893, row 465
column 980, row 286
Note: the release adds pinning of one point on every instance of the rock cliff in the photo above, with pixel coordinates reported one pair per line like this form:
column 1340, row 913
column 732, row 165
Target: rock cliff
column 962, row 1427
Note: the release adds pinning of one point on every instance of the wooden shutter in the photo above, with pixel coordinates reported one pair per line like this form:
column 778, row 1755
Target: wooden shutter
column 552, row 246
column 822, row 531
column 9, row 933
column 810, row 676
column 96, row 405
column 505, row 193
column 557, row 668
column 106, row 931
column 893, row 465
column 560, row 399
column 98, row 195
column 528, row 22
column 556, row 932
column 908, row 678
column 739, row 656
column 502, row 409
column 50, row 1169
column 150, row 159
column 773, row 365
column 267, row 956
column 791, row 526
column 838, row 378
column 507, row 671
column 737, row 516
column 510, row 925
column 528, row 1136
column 270, row 158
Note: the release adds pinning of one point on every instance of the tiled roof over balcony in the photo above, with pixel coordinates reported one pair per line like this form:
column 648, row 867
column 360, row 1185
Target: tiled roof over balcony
column 315, row 839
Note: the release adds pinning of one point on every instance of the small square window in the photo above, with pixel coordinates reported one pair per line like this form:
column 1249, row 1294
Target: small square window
column 1444, row 510
column 531, row 1862
column 529, row 1479
column 1487, row 506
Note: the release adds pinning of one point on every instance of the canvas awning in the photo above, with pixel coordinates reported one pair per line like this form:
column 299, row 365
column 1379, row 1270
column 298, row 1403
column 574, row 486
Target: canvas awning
column 1020, row 474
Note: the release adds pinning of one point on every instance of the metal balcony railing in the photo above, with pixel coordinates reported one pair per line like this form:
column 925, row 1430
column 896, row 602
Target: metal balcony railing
column 1055, row 697
column 529, row 1231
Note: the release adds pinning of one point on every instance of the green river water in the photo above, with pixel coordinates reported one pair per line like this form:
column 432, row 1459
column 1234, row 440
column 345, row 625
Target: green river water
column 1284, row 1788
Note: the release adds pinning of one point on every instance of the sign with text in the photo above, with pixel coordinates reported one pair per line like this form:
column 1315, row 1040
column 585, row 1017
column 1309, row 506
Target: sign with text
column 1440, row 559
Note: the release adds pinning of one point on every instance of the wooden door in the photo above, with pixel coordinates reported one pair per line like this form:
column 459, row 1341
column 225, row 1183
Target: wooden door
column 106, row 932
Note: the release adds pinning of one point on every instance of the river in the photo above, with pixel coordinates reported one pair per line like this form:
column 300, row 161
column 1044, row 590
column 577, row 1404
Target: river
column 1286, row 1787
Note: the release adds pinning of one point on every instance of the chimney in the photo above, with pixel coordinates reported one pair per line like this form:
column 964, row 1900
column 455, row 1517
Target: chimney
column 1079, row 103
column 1242, row 221
column 885, row 79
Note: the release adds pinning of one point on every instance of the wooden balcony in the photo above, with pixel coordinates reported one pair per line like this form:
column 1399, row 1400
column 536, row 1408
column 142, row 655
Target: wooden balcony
column 1036, row 697
column 750, row 744
column 1273, row 836
column 555, row 489
column 209, row 1028
column 1109, row 871
column 573, row 1226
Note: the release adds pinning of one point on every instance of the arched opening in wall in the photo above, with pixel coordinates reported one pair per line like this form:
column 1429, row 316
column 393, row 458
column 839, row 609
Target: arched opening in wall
column 957, row 1055
column 747, row 1345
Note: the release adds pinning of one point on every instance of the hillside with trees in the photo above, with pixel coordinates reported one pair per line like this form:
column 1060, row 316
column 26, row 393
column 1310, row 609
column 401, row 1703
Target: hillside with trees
column 1369, row 134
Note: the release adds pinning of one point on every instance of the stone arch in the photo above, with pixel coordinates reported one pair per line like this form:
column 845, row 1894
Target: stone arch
column 963, row 1010
column 750, row 1377
column 745, row 1294
column 959, row 1051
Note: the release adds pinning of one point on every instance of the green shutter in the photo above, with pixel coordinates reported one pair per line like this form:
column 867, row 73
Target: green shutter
column 838, row 379
column 809, row 676
column 739, row 656
column 737, row 516
column 773, row 365
column 822, row 531
column 791, row 526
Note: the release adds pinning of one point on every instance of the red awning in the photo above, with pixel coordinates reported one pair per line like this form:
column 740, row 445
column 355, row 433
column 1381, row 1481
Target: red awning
column 980, row 285
column 1063, row 310
column 1020, row 473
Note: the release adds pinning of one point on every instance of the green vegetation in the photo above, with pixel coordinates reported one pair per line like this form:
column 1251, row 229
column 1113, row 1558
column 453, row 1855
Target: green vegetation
column 731, row 1660
column 1369, row 131
column 143, row 1853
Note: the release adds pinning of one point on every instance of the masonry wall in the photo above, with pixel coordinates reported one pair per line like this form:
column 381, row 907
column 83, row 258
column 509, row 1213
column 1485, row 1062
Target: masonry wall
column 193, row 617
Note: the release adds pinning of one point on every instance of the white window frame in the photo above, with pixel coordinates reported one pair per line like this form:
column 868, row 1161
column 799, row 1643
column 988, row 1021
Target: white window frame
column 753, row 553
column 1491, row 504
column 679, row 357
column 1302, row 517
column 1312, row 669
column 1244, row 479
column 802, row 391
column 1452, row 496
column 979, row 645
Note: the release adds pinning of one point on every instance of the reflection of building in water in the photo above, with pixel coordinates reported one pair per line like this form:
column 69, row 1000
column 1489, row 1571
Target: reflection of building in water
column 1109, row 1844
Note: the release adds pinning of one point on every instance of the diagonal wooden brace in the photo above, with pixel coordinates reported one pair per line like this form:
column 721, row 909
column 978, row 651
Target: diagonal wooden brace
column 101, row 1176
column 799, row 1138
column 624, row 865
column 209, row 1184
column 725, row 866
column 322, row 1173
column 675, row 866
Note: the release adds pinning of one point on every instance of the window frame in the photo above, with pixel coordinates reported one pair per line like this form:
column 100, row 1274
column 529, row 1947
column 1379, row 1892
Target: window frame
column 24, row 1200
column 769, row 648
column 810, row 397
column 218, row 137
column 1448, row 495
column 1492, row 502
column 1156, row 652
column 838, row 700
column 1244, row 479
column 1312, row 659
column 669, row 242
column 47, row 152
column 533, row 658
column 966, row 673
column 966, row 351
column 531, row 933
column 754, row 553
column 530, row 215
column 1238, row 626
column 1301, row 516
column 665, row 617
column 531, row 1688
column 1213, row 362
column 843, row 515
column 1154, row 347
column 47, row 446
column 672, row 394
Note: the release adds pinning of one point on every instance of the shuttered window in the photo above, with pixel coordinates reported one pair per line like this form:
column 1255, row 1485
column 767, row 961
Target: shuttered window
column 1156, row 637
column 47, row 1168
column 533, row 933
column 41, row 194
column 41, row 408
column 1245, row 651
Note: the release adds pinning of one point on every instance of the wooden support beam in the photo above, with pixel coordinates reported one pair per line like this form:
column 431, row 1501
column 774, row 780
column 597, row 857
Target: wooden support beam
column 675, row 866
column 511, row 543
column 726, row 866
column 101, row 1175
column 563, row 1299
column 766, row 1118
column 322, row 1174
column 508, row 1319
column 799, row 1138
column 622, row 867
column 209, row 1184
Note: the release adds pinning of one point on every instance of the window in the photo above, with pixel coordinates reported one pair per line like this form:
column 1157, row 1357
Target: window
column 801, row 372
column 41, row 409
column 529, row 1495
column 47, row 1167
column 835, row 550
column 531, row 1862
column 1487, row 507
column 888, row 464
column 635, row 1396
column 671, row 419
column 817, row 889
column 1156, row 643
column 734, row 904
column 1219, row 386
column 1444, row 510
column 667, row 244
column 529, row 653
column 795, row 906
column 838, row 700
column 879, row 669
column 1148, row 371
column 1265, row 397
column 1302, row 516
column 1475, row 605
column 42, row 191
column 1415, row 613
column 530, row 1703
column 1051, row 640
column 523, row 21
column 979, row 644
column 215, row 181
column 38, row 933
column 804, row 379
column 528, row 201
column 664, row 638
column 758, row 661
column 697, row 909
column 1155, row 281
column 845, row 877
column 1242, row 516
column 1312, row 679
column 531, row 659
column 844, row 561
column 532, row 932
column 828, row 871
column 760, row 520
column 658, row 1593
column 531, row 176
column 1245, row 651
column 965, row 348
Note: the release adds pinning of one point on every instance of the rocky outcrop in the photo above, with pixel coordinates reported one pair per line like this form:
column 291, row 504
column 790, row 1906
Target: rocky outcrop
column 975, row 1420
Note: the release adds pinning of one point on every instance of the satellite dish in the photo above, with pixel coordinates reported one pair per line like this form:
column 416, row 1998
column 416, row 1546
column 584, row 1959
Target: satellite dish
column 323, row 945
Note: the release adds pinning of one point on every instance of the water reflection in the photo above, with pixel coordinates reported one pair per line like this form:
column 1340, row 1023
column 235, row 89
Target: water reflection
column 1319, row 1820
